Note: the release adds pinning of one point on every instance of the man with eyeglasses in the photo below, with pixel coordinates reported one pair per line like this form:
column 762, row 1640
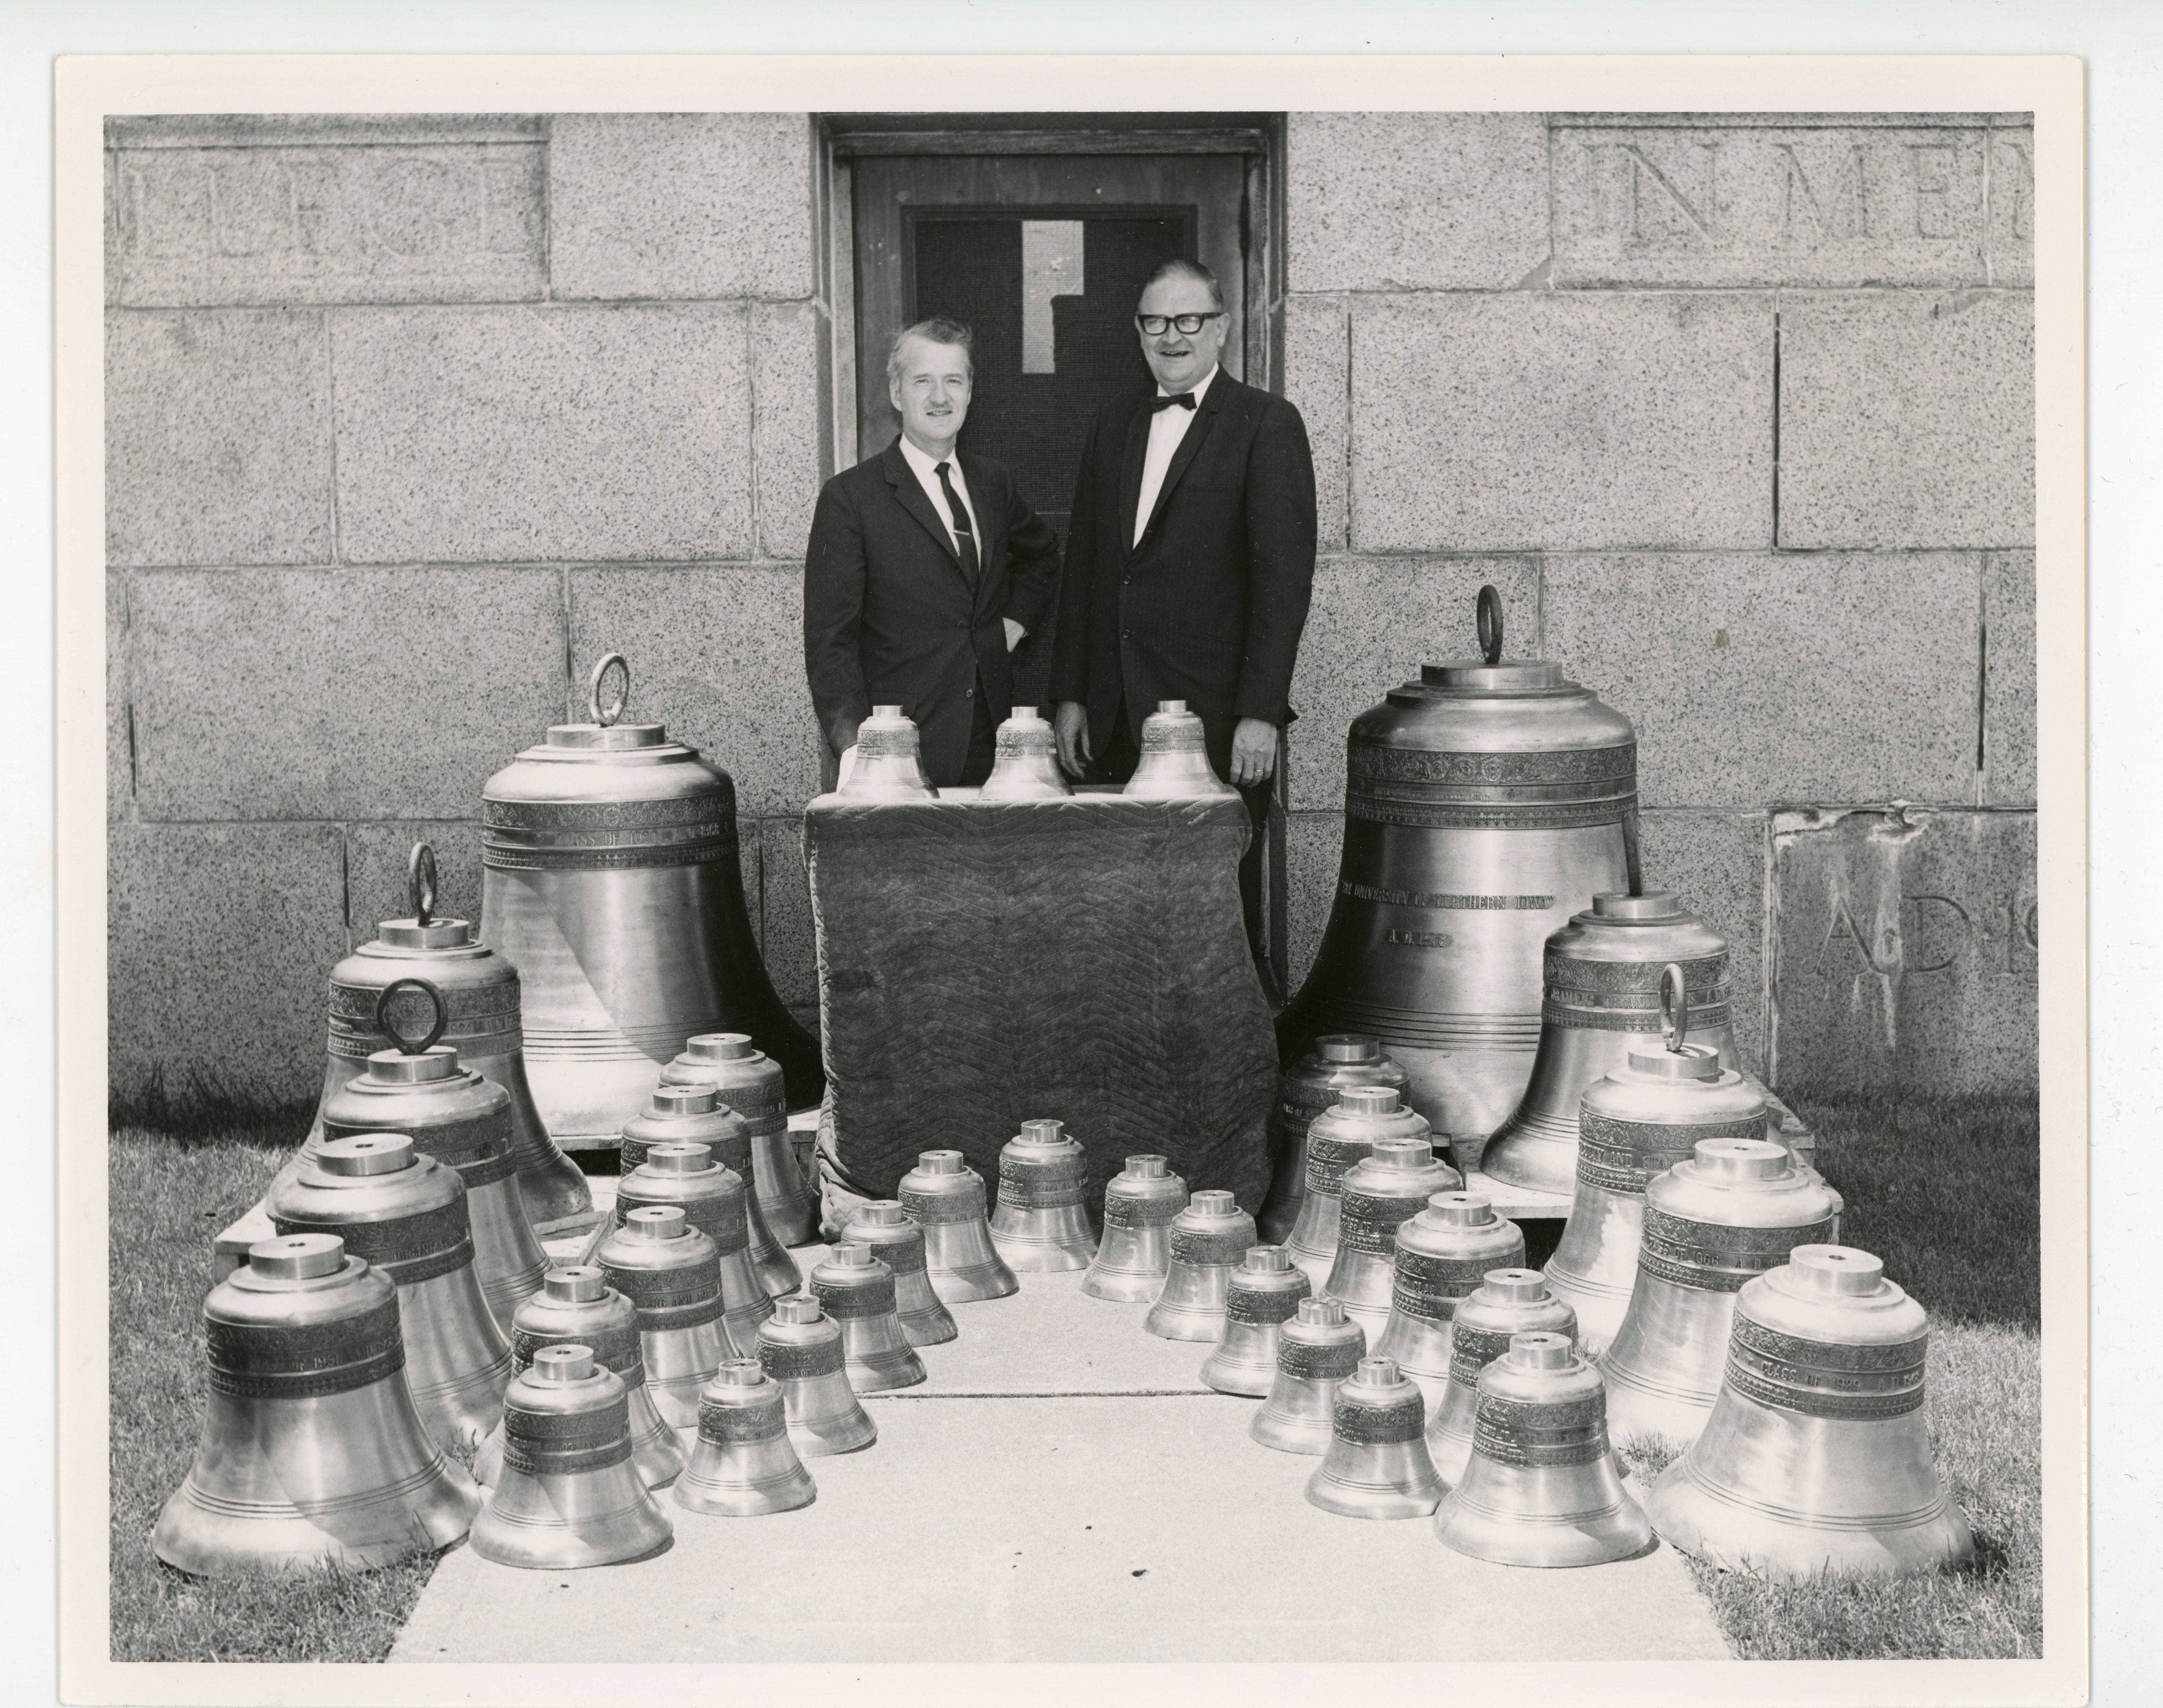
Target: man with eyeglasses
column 1190, row 561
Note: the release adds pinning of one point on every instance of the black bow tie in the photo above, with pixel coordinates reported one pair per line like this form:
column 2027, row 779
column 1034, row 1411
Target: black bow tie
column 1185, row 400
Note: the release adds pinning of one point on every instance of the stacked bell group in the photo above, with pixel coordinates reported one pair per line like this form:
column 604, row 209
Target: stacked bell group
column 1443, row 1254
column 749, row 1081
column 1304, row 1090
column 1338, row 1140
column 1506, row 1303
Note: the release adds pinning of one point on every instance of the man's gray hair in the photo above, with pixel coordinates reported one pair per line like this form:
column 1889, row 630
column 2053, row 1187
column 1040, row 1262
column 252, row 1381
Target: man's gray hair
column 1179, row 267
column 937, row 330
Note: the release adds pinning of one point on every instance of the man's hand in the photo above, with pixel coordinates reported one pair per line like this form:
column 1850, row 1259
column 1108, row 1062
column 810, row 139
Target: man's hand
column 1070, row 726
column 1254, row 752
column 1014, row 632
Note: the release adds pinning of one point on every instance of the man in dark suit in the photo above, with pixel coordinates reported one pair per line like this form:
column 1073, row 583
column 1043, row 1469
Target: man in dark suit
column 1190, row 560
column 925, row 570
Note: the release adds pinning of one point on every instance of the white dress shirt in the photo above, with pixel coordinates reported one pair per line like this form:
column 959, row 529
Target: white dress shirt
column 926, row 469
column 1167, row 427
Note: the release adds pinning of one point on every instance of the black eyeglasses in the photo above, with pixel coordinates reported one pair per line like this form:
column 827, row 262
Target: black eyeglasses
column 1155, row 324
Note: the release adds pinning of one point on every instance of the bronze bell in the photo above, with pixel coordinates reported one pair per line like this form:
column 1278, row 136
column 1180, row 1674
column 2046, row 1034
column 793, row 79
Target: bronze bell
column 480, row 991
column 1339, row 1139
column 1816, row 1461
column 672, row 1273
column 569, row 1495
column 899, row 1243
column 1317, row 1347
column 889, row 760
column 750, row 1082
column 610, row 882
column 1264, row 1291
column 1039, row 1222
column 1541, row 1488
column 1735, row 1209
column 1606, row 981
column 1139, row 1204
column 944, row 1196
column 577, row 1306
column 856, row 1290
column 1208, row 1236
column 1026, row 767
column 743, row 1465
column 1507, row 1301
column 800, row 1349
column 1304, row 1090
column 406, row 1213
column 464, row 1121
column 1391, row 1185
column 1174, row 760
column 713, row 1201
column 1376, row 1465
column 1443, row 1255
column 694, row 1114
column 1642, row 1119
column 312, row 1453
column 1485, row 804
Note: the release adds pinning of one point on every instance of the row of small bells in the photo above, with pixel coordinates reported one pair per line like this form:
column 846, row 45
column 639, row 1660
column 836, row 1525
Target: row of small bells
column 1173, row 764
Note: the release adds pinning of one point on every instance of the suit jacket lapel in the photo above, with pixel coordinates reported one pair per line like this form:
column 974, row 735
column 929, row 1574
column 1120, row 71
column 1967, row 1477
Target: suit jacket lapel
column 1130, row 473
column 1189, row 444
column 910, row 490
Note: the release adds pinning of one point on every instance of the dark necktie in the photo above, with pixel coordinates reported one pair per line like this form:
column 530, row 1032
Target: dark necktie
column 1185, row 400
column 965, row 535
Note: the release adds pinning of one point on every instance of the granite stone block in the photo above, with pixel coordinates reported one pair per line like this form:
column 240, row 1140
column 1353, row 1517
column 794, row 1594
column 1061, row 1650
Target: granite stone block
column 1517, row 422
column 2011, row 204
column 1697, row 205
column 1905, row 952
column 304, row 693
column 1908, row 419
column 1414, row 201
column 680, row 204
column 543, row 433
column 788, row 422
column 1314, row 847
column 788, row 943
column 717, row 655
column 119, row 743
column 218, row 439
column 1755, row 680
column 2008, row 699
column 375, row 866
column 1373, row 622
column 1716, row 863
column 1318, row 359
column 218, row 939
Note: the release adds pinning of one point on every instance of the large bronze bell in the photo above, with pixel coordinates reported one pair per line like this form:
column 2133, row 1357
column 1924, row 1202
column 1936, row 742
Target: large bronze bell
column 1039, row 1223
column 944, row 1196
column 312, row 1453
column 611, row 883
column 1304, row 1090
column 1265, row 1290
column 713, row 1201
column 1542, row 1488
column 1735, row 1209
column 1395, row 1181
column 694, row 1114
column 1140, row 1202
column 1209, row 1238
column 1443, row 1255
column 750, row 1082
column 1376, row 1465
column 743, row 1465
column 889, row 762
column 800, row 1349
column 1025, row 765
column 1507, row 1301
column 1816, row 1460
column 672, row 1274
column 1617, row 976
column 1317, row 1347
column 1339, row 1140
column 569, row 1495
column 856, row 1289
column 1174, row 763
column 406, row 1213
column 1642, row 1119
column 897, row 1242
column 1486, row 803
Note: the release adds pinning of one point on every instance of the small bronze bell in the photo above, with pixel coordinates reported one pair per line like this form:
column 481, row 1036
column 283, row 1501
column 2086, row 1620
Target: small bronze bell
column 1376, row 1465
column 1317, row 1348
column 856, row 1290
column 1304, row 1090
column 800, row 1349
column 312, row 1453
column 1139, row 1204
column 1208, row 1236
column 714, row 1201
column 944, row 1196
column 898, row 1244
column 1542, row 1488
column 577, row 1306
column 1175, row 759
column 1507, row 1301
column 1338, row 1139
column 889, row 760
column 569, row 1495
column 406, row 1214
column 1039, row 1222
column 750, row 1082
column 743, row 1465
column 1391, row 1185
column 1026, row 767
column 1735, row 1209
column 1816, row 1461
column 694, row 1114
column 1264, row 1291
column 672, row 1273
column 1443, row 1254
